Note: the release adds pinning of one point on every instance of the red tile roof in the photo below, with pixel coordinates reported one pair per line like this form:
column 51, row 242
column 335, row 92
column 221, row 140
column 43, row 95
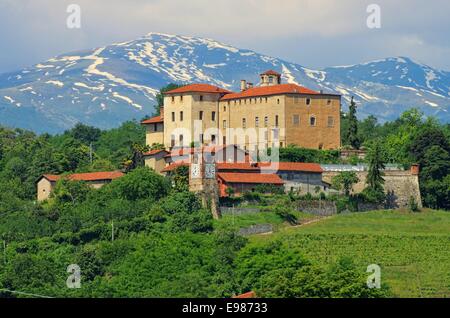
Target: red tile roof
column 174, row 166
column 250, row 294
column 198, row 88
column 51, row 177
column 236, row 177
column 271, row 90
column 237, row 166
column 153, row 120
column 271, row 72
column 90, row 176
column 154, row 152
column 291, row 166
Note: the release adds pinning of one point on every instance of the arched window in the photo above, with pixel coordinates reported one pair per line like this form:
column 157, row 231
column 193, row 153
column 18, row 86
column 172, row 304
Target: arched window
column 312, row 121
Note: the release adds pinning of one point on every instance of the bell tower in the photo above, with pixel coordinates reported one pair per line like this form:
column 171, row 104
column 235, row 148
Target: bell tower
column 270, row 78
column 203, row 181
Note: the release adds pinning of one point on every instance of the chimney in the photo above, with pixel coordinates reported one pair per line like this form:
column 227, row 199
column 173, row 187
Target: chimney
column 415, row 168
column 249, row 85
column 243, row 85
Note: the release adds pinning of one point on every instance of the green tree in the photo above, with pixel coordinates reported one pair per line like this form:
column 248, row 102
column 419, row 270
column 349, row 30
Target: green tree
column 375, row 159
column 345, row 181
column 352, row 132
column 85, row 134
column 141, row 183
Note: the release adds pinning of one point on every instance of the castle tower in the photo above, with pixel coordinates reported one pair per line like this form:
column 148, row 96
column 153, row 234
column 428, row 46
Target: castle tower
column 203, row 181
column 270, row 78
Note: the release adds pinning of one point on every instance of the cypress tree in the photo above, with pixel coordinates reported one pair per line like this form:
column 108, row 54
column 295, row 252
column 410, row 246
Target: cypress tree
column 375, row 179
column 352, row 133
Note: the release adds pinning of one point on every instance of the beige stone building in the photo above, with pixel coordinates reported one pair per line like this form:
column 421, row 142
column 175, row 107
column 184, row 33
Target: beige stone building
column 266, row 116
column 47, row 182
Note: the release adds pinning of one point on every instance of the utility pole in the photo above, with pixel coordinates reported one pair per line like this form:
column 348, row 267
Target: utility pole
column 4, row 251
column 112, row 230
column 90, row 152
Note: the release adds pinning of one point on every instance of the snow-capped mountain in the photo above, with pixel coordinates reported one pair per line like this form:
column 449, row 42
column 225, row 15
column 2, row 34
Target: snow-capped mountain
column 106, row 86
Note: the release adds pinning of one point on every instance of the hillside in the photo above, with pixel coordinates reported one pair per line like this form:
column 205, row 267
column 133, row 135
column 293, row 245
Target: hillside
column 409, row 247
column 109, row 85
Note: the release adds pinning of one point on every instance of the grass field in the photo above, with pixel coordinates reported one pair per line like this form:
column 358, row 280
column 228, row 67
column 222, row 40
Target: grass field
column 413, row 249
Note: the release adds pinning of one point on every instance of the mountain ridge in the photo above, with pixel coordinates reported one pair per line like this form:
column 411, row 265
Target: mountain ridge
column 108, row 85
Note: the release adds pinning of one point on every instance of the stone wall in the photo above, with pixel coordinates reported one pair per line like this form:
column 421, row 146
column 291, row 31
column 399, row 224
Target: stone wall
column 400, row 186
column 317, row 207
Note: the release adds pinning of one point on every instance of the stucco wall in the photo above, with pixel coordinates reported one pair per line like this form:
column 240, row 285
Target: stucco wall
column 44, row 188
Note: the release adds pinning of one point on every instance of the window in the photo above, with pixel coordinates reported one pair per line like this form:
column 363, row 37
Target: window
column 295, row 120
column 276, row 120
column 200, row 115
column 270, row 79
column 266, row 121
column 224, row 139
column 181, row 140
column 213, row 139
column 260, row 100
column 181, row 116
column 155, row 127
column 224, row 108
column 278, row 101
column 173, row 99
column 224, row 124
column 266, row 99
column 308, row 101
column 312, row 121
column 202, row 138
column 256, row 121
column 213, row 116
column 201, row 98
column 244, row 123
column 172, row 141
column 329, row 102
column 181, row 98
column 173, row 116
column 330, row 121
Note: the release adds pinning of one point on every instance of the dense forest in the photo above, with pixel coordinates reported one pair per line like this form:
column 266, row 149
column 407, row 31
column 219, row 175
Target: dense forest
column 146, row 236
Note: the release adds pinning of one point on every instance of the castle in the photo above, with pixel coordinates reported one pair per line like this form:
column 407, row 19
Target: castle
column 270, row 115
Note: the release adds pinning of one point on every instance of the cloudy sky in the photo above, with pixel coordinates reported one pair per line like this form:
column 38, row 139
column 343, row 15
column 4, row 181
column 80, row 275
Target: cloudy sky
column 313, row 33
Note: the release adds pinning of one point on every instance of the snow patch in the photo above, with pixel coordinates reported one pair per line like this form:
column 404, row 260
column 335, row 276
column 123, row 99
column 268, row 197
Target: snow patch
column 56, row 83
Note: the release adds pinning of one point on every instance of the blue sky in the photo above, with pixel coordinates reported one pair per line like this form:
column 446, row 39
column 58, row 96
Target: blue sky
column 313, row 33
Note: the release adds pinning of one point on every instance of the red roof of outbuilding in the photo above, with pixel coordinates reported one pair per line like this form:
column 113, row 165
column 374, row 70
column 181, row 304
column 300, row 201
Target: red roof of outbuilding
column 154, row 152
column 271, row 90
column 236, row 177
column 198, row 88
column 174, row 166
column 236, row 166
column 90, row 176
column 153, row 120
column 250, row 294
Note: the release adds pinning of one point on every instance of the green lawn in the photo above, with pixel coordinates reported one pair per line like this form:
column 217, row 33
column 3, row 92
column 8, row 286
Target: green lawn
column 413, row 249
